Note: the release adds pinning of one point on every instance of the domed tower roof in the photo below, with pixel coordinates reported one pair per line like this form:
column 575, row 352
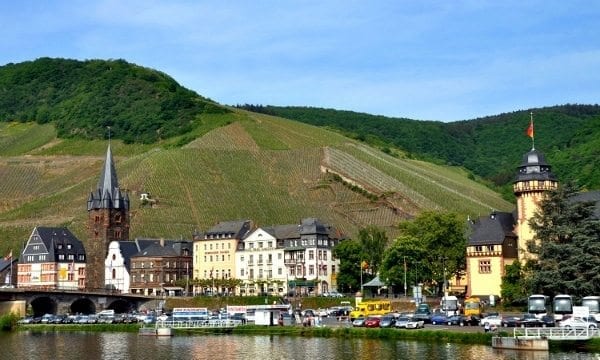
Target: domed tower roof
column 534, row 167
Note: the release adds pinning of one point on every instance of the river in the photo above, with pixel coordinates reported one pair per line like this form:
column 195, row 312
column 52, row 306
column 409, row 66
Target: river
column 115, row 346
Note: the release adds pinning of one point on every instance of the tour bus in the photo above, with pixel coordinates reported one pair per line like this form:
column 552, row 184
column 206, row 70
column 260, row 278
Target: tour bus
column 473, row 306
column 593, row 304
column 449, row 305
column 372, row 307
column 562, row 305
column 538, row 305
column 190, row 314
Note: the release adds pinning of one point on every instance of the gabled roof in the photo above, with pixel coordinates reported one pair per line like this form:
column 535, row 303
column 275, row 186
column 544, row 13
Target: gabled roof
column 56, row 241
column 154, row 248
column 311, row 226
column 492, row 229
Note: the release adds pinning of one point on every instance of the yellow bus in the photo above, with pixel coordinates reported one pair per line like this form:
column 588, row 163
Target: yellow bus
column 372, row 307
column 473, row 306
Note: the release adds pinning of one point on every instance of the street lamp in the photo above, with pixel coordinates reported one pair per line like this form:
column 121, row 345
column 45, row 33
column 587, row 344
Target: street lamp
column 405, row 276
column 444, row 269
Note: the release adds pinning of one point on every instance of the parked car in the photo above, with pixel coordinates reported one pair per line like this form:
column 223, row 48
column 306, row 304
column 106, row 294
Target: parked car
column 548, row 321
column 372, row 321
column 359, row 321
column 47, row 318
column 575, row 322
column 335, row 294
column 510, row 321
column 529, row 320
column 438, row 319
column 26, row 320
column 415, row 324
column 387, row 321
column 401, row 322
column 491, row 320
column 462, row 320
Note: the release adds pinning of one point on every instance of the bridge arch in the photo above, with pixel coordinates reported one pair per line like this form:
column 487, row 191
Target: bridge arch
column 83, row 306
column 121, row 306
column 43, row 305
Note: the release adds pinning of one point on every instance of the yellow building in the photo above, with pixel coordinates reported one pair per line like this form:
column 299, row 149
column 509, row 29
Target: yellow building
column 214, row 252
column 497, row 240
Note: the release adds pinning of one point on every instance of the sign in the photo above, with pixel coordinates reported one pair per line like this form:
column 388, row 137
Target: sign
column 581, row 311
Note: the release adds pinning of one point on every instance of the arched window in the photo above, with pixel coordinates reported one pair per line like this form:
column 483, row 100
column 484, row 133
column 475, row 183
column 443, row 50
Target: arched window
column 114, row 273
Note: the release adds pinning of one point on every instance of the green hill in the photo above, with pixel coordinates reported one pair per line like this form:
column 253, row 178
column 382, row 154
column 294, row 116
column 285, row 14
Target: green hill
column 490, row 147
column 200, row 161
column 267, row 169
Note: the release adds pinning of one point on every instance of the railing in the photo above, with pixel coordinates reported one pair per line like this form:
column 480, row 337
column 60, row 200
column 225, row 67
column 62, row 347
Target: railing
column 198, row 324
column 557, row 333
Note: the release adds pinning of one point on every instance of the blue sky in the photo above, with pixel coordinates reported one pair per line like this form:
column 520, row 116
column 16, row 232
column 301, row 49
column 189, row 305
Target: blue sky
column 427, row 60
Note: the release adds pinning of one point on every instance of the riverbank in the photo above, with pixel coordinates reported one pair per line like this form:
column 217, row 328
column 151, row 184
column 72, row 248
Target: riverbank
column 446, row 335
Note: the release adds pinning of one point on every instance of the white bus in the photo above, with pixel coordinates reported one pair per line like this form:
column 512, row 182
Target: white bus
column 562, row 305
column 538, row 305
column 449, row 305
column 593, row 304
column 189, row 314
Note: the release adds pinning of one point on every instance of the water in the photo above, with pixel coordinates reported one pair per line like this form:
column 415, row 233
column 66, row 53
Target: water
column 115, row 346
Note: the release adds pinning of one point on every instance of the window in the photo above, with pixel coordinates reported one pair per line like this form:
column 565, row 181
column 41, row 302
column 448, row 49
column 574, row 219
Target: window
column 485, row 266
column 70, row 257
column 242, row 258
column 479, row 248
column 114, row 273
column 114, row 257
column 69, row 246
column 61, row 257
column 311, row 255
column 242, row 272
column 490, row 248
column 311, row 270
column 59, row 246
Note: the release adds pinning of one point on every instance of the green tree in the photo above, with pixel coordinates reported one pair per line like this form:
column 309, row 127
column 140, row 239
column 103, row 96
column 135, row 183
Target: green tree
column 566, row 248
column 512, row 288
column 398, row 267
column 373, row 241
column 350, row 254
column 443, row 237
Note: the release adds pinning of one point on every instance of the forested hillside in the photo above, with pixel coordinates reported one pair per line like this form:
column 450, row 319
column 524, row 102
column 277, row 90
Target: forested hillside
column 490, row 147
column 82, row 98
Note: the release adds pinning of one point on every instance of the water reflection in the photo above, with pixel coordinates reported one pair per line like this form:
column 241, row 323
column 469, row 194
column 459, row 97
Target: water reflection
column 116, row 346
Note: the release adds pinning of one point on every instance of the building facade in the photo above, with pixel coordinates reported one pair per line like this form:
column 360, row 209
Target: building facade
column 53, row 258
column 215, row 254
column 108, row 220
column 159, row 268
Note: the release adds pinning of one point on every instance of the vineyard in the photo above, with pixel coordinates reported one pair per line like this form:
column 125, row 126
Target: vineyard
column 242, row 166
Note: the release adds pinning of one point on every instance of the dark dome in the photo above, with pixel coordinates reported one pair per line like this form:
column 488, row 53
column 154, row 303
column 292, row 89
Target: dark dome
column 534, row 167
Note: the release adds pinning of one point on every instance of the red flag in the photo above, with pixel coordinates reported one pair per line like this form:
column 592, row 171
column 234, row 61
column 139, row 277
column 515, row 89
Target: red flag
column 529, row 131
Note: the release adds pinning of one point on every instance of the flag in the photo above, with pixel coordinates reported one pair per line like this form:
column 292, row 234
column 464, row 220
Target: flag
column 529, row 131
column 8, row 257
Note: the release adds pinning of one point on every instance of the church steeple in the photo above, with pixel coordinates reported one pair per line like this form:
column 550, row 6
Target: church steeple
column 108, row 220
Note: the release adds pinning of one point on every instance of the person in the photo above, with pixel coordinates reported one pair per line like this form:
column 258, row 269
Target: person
column 486, row 327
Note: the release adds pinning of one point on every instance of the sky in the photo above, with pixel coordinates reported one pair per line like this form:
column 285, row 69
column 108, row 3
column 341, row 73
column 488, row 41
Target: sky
column 443, row 60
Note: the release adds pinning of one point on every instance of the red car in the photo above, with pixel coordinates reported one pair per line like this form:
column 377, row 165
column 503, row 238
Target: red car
column 372, row 322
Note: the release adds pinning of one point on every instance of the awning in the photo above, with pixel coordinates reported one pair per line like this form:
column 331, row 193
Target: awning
column 172, row 288
column 293, row 283
column 374, row 283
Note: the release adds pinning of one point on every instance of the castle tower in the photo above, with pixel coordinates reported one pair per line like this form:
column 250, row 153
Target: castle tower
column 534, row 179
column 108, row 220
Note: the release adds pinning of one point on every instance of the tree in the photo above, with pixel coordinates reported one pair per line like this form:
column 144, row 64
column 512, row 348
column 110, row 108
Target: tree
column 398, row 265
column 565, row 248
column 442, row 237
column 512, row 288
column 350, row 254
column 373, row 241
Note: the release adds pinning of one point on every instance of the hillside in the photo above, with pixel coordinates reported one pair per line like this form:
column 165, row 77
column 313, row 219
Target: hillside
column 241, row 165
column 82, row 98
column 490, row 147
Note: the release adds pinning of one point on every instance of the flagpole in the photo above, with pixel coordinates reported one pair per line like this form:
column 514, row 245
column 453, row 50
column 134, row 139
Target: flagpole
column 532, row 132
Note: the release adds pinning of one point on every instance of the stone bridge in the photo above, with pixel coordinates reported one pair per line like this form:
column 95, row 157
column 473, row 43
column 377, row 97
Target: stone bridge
column 39, row 302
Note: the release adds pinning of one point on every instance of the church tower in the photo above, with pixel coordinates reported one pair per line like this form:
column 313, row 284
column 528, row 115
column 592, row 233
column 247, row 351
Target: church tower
column 534, row 179
column 108, row 220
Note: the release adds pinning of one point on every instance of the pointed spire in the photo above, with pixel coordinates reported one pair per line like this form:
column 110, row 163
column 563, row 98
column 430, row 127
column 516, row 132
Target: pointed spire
column 108, row 177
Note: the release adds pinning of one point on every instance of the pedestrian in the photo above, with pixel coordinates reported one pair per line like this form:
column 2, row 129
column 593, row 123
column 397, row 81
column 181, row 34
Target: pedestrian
column 486, row 327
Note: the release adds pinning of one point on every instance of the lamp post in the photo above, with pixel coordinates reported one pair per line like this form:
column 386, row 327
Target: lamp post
column 405, row 277
column 444, row 270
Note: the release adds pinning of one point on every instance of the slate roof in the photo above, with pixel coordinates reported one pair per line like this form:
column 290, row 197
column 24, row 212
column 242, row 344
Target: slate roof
column 233, row 229
column 589, row 196
column 313, row 226
column 534, row 167
column 56, row 242
column 492, row 229
column 108, row 194
column 153, row 248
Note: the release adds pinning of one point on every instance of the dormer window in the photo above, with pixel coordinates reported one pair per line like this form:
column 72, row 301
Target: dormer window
column 69, row 246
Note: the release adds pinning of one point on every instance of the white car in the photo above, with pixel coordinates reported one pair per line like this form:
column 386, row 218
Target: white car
column 575, row 322
column 492, row 320
column 415, row 324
